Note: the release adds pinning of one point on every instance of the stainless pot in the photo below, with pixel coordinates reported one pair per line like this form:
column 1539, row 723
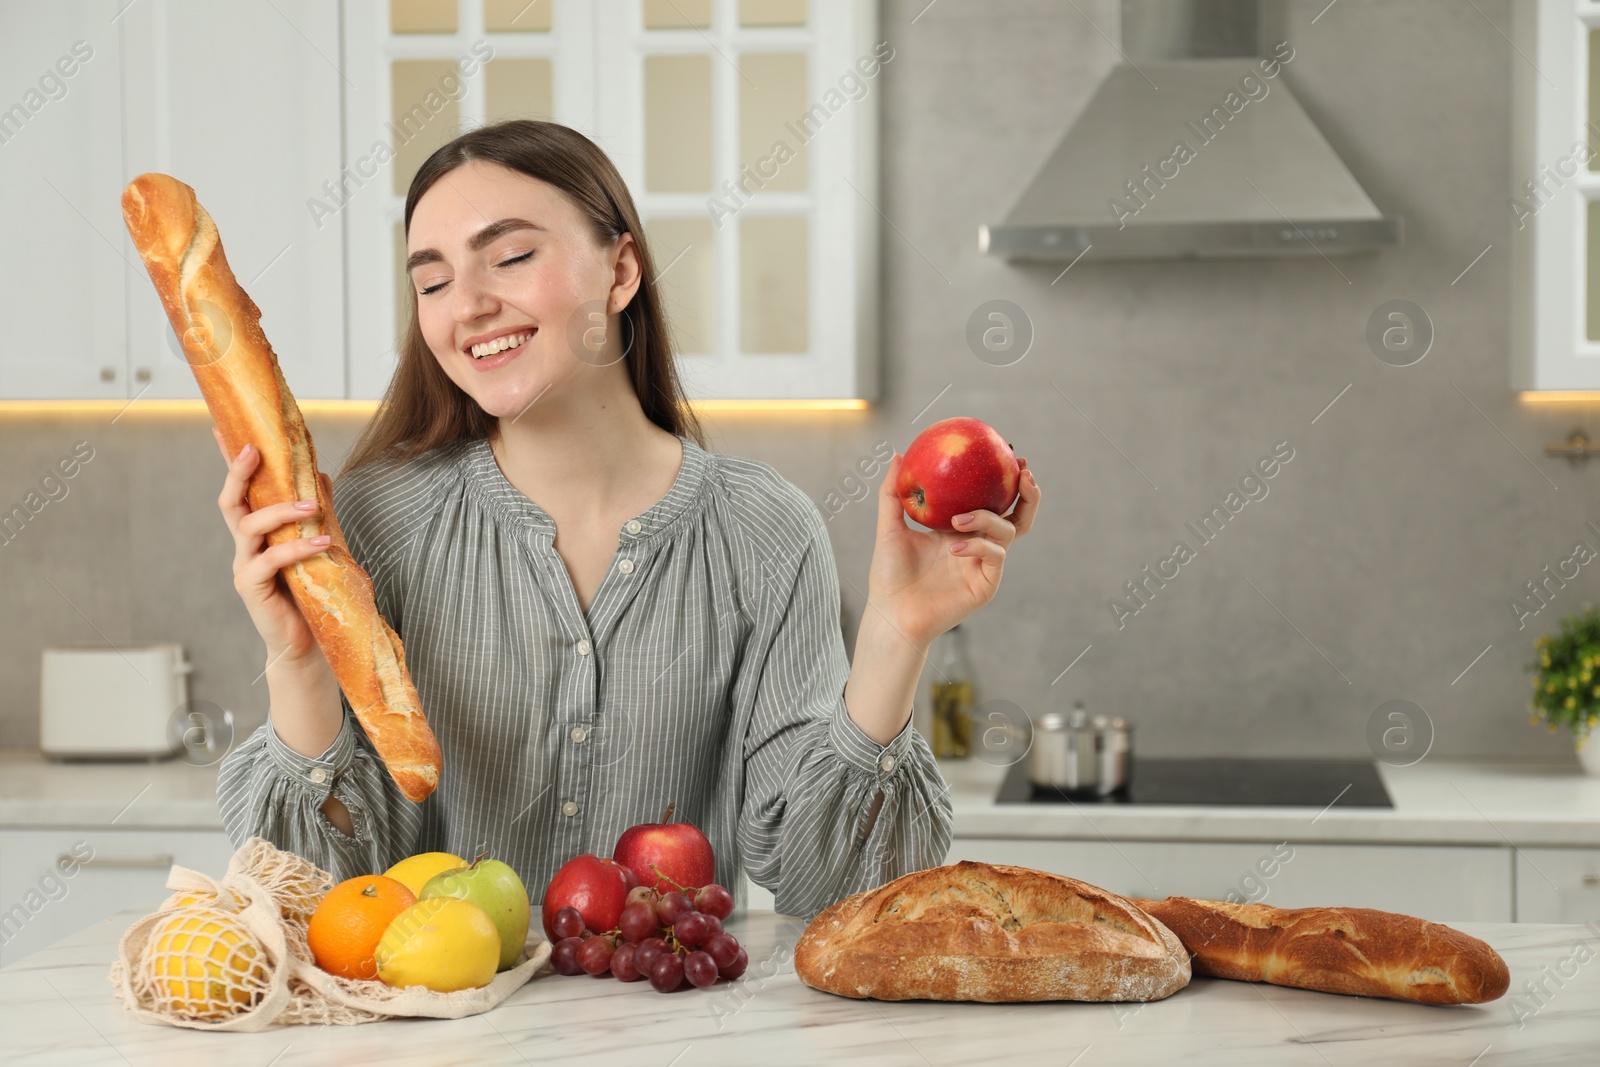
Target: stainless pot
column 1075, row 753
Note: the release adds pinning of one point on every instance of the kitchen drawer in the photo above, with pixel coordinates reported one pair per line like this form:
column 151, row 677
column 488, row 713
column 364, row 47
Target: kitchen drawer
column 1558, row 885
column 110, row 870
column 1445, row 884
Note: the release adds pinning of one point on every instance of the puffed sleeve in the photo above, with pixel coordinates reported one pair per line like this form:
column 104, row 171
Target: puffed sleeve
column 267, row 789
column 827, row 811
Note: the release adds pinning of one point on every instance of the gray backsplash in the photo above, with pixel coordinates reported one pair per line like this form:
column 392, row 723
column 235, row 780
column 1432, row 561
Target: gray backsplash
column 1381, row 562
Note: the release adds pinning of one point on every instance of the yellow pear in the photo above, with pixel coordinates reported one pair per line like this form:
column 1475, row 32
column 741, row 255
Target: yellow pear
column 413, row 872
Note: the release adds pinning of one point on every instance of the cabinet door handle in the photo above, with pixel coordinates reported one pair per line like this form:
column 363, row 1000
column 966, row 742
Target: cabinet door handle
column 1591, row 880
column 158, row 862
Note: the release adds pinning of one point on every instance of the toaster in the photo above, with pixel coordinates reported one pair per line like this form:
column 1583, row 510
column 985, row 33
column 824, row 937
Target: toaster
column 103, row 702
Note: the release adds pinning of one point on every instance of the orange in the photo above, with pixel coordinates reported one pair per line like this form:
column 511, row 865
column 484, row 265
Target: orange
column 345, row 929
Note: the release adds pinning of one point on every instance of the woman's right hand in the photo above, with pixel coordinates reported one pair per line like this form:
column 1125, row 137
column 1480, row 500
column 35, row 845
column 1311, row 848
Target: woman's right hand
column 255, row 569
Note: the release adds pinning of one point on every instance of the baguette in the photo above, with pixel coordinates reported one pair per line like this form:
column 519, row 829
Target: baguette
column 989, row 932
column 244, row 389
column 1356, row 951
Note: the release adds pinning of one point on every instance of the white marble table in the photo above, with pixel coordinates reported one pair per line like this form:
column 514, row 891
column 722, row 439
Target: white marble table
column 57, row 1008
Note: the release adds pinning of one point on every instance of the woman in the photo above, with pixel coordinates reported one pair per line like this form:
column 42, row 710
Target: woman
column 601, row 617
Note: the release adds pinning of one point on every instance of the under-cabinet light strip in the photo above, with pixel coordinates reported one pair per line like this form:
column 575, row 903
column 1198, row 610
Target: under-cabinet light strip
column 368, row 407
column 1560, row 396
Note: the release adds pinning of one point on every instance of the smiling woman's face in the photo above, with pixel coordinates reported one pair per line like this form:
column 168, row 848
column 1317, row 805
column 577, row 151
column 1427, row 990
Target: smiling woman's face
column 493, row 253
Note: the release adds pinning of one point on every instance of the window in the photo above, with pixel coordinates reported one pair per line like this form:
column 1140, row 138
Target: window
column 745, row 129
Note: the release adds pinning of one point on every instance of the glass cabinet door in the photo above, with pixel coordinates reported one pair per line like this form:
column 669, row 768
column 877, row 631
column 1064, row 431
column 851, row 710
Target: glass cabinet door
column 420, row 73
column 1555, row 196
column 753, row 175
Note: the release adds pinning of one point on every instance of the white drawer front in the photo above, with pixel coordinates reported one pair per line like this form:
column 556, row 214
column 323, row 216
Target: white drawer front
column 1558, row 885
column 55, row 882
column 1438, row 883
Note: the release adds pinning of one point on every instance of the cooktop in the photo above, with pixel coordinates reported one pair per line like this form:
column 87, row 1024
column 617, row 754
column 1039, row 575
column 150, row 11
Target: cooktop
column 1264, row 782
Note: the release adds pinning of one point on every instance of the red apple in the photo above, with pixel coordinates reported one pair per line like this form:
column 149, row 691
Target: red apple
column 596, row 886
column 680, row 853
column 955, row 466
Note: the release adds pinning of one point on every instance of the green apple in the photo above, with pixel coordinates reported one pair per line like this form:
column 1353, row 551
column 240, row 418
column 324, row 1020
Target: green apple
column 493, row 886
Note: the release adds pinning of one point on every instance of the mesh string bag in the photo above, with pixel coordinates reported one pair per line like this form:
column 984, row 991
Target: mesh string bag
column 231, row 954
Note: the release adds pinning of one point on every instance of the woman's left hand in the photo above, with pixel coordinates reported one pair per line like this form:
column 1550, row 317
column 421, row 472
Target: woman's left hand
column 926, row 581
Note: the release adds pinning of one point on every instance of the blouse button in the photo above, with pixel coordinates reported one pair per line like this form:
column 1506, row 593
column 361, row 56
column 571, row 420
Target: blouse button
column 583, row 646
column 626, row 566
column 579, row 735
column 570, row 808
column 318, row 775
column 633, row 526
column 886, row 764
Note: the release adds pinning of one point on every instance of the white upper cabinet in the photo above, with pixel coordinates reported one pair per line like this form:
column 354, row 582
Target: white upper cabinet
column 1555, row 177
column 241, row 102
column 745, row 129
column 61, row 226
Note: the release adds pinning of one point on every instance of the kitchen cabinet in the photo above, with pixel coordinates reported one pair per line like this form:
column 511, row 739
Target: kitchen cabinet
column 1554, row 199
column 240, row 101
column 746, row 133
column 63, row 301
column 1558, row 885
column 1446, row 884
column 110, row 869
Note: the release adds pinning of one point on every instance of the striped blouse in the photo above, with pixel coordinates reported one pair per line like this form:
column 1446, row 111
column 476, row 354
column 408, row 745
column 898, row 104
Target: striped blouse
column 708, row 671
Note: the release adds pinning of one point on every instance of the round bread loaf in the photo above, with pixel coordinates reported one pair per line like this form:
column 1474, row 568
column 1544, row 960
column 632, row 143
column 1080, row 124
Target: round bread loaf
column 989, row 932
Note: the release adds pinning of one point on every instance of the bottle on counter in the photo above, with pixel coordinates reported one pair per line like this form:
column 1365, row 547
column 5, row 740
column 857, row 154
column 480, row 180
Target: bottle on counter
column 950, row 695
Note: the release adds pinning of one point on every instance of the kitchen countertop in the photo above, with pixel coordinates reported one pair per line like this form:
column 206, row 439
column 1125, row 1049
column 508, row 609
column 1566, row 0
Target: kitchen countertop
column 1436, row 802
column 171, row 794
column 59, row 1010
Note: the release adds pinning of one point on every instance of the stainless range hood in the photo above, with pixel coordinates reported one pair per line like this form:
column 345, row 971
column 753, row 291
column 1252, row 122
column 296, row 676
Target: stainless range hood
column 1193, row 147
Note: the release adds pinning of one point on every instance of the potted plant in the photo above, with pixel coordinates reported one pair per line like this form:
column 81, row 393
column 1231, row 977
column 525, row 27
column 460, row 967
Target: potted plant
column 1566, row 682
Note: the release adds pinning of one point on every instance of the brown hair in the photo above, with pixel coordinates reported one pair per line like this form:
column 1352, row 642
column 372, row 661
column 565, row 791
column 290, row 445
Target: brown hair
column 423, row 409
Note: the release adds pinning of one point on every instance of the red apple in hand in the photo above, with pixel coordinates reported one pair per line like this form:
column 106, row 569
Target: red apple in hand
column 596, row 886
column 679, row 851
column 955, row 466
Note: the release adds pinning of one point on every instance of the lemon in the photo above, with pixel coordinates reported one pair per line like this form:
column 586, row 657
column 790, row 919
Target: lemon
column 203, row 898
column 206, row 964
column 413, row 872
column 443, row 943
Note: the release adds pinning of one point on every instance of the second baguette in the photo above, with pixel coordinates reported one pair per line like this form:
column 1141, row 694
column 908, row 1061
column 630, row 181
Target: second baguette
column 1356, row 951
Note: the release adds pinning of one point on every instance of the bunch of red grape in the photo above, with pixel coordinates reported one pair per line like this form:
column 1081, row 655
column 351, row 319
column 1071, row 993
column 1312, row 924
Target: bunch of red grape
column 665, row 937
